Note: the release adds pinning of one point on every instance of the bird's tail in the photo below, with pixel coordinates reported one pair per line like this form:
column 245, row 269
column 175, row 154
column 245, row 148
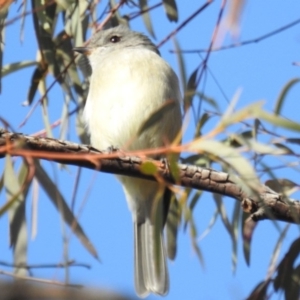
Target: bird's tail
column 151, row 272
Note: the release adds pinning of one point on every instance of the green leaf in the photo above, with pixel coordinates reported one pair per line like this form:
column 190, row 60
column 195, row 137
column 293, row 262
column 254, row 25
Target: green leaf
column 257, row 147
column 282, row 186
column 248, row 227
column 230, row 117
column 194, row 239
column 37, row 76
column 255, row 128
column 117, row 18
column 171, row 10
column 235, row 230
column 44, row 21
column 255, row 111
column 283, row 95
column 157, row 116
column 197, row 159
column 1, row 186
column 278, row 121
column 218, row 151
column 181, row 64
column 284, row 148
column 148, row 168
column 238, row 140
column 13, row 67
column 17, row 216
column 45, row 114
column 190, row 90
column 195, row 199
column 276, row 251
column 260, row 291
column 201, row 122
column 285, row 268
column 210, row 225
column 146, row 16
column 3, row 16
column 65, row 54
column 157, row 217
column 81, row 130
column 172, row 225
column 59, row 202
column 65, row 3
column 173, row 165
column 222, row 212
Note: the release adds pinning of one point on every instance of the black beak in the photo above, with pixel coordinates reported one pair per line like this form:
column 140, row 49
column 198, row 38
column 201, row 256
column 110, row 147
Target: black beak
column 82, row 50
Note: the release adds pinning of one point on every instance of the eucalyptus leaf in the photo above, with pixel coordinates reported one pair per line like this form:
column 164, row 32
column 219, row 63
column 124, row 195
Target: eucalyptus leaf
column 181, row 64
column 59, row 202
column 247, row 176
column 172, row 225
column 37, row 76
column 146, row 16
column 190, row 90
column 156, row 116
column 282, row 186
column 282, row 97
column 278, row 121
column 17, row 216
column 171, row 10
column 148, row 168
column 13, row 67
column 248, row 227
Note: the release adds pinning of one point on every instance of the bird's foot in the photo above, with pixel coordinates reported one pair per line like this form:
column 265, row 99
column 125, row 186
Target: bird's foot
column 111, row 149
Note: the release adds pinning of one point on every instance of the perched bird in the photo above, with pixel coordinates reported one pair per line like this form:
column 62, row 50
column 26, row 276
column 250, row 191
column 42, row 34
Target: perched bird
column 130, row 82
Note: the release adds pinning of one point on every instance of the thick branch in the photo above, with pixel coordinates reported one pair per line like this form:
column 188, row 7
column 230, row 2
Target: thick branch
column 266, row 204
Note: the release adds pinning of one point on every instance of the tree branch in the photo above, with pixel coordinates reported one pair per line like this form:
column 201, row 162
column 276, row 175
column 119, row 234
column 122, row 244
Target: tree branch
column 265, row 204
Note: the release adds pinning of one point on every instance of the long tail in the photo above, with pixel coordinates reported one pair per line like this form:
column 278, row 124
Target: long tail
column 151, row 272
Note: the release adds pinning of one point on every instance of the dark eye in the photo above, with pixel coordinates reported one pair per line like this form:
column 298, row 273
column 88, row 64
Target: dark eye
column 115, row 39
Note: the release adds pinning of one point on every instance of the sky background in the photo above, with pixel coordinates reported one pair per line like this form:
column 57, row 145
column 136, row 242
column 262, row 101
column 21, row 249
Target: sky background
column 259, row 71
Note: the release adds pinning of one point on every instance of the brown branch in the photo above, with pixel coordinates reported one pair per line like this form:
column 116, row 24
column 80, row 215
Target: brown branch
column 28, row 290
column 265, row 204
column 39, row 280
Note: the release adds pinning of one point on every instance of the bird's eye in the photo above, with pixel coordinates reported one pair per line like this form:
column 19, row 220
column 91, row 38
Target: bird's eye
column 115, row 39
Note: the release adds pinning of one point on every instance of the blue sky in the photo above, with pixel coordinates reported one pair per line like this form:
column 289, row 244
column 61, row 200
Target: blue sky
column 259, row 70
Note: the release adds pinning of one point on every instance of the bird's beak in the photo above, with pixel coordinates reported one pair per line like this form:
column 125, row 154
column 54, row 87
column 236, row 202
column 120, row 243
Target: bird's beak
column 82, row 50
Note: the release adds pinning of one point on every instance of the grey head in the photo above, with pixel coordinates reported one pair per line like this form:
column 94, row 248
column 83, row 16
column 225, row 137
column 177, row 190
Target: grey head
column 116, row 38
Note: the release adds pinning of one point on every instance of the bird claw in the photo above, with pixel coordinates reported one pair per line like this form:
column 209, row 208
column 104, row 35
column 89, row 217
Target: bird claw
column 111, row 149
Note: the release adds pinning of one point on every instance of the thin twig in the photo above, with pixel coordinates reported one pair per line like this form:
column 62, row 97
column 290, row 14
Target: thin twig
column 244, row 43
column 137, row 14
column 214, row 35
column 192, row 16
column 29, row 12
column 110, row 14
column 40, row 280
column 46, row 93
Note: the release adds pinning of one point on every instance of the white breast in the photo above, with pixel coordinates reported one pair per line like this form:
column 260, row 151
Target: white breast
column 127, row 86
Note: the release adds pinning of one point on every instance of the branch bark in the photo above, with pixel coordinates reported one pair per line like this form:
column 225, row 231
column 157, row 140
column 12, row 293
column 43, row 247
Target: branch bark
column 263, row 204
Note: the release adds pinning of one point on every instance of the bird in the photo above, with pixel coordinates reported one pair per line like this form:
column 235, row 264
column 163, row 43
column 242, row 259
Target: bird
column 129, row 84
